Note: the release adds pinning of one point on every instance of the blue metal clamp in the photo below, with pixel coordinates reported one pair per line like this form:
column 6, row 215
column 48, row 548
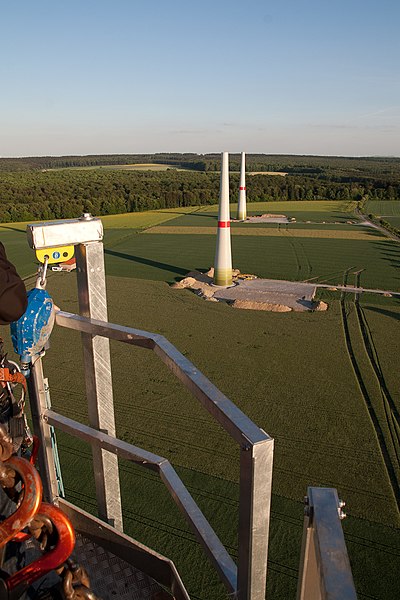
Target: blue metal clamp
column 31, row 332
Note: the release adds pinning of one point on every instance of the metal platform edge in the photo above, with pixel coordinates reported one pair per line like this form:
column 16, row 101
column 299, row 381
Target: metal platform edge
column 153, row 564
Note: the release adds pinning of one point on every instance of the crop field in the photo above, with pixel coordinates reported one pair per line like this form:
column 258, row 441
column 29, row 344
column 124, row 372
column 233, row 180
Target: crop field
column 117, row 227
column 315, row 211
column 133, row 167
column 394, row 221
column 311, row 418
column 302, row 251
column 18, row 251
column 325, row 386
column 345, row 234
column 383, row 208
column 389, row 210
column 144, row 167
column 283, row 257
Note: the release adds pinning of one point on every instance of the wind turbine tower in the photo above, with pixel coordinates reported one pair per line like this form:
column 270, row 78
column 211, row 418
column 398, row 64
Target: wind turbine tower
column 223, row 253
column 241, row 212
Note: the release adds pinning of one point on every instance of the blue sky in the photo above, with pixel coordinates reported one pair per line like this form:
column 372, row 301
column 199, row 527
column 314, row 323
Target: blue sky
column 120, row 76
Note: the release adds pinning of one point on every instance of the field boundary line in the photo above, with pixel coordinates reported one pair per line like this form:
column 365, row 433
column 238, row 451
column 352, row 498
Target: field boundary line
column 367, row 400
column 391, row 412
column 364, row 219
column 283, row 231
column 290, row 233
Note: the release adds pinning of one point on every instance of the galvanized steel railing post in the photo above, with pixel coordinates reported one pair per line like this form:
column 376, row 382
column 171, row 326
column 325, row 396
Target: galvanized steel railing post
column 255, row 464
column 39, row 403
column 324, row 572
column 97, row 365
column 254, row 516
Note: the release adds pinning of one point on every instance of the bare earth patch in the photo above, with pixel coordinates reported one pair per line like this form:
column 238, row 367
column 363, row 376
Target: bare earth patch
column 249, row 292
column 268, row 218
column 281, row 173
column 247, row 304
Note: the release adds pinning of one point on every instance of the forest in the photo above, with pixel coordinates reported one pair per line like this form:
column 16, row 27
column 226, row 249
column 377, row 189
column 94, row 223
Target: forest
column 48, row 187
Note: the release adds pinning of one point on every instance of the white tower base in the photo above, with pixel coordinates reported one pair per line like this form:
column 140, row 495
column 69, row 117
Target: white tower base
column 223, row 252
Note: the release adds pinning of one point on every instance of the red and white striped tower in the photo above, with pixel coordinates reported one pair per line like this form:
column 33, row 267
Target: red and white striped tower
column 241, row 212
column 223, row 254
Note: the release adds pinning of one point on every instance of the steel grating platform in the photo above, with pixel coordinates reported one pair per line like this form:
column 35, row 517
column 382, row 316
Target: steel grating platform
column 112, row 577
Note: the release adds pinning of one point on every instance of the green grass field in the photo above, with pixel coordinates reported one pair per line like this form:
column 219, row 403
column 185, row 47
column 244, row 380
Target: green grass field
column 394, row 221
column 286, row 257
column 18, row 251
column 315, row 211
column 116, row 228
column 388, row 210
column 311, row 418
column 291, row 373
column 383, row 208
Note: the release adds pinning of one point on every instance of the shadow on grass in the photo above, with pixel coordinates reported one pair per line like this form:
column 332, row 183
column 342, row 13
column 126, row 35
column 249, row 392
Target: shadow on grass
column 384, row 311
column 147, row 261
column 390, row 252
column 204, row 214
column 373, row 232
column 168, row 212
column 339, row 216
column 13, row 229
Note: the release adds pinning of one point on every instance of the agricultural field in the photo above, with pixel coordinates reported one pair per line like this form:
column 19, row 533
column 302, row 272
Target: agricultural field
column 133, row 167
column 388, row 210
column 383, row 208
column 304, row 212
column 324, row 385
column 394, row 221
column 13, row 235
column 281, row 256
column 316, row 251
column 312, row 420
column 14, row 239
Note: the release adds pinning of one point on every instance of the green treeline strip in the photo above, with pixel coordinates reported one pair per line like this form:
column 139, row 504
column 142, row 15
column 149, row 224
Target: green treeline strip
column 388, row 226
column 38, row 194
column 350, row 168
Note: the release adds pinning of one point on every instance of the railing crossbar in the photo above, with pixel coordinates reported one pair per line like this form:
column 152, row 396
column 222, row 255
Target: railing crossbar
column 247, row 580
column 216, row 551
column 232, row 419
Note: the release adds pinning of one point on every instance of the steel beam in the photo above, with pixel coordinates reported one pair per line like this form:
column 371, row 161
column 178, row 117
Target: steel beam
column 247, row 582
column 254, row 517
column 64, row 233
column 39, row 400
column 103, row 440
column 324, row 572
column 97, row 365
column 212, row 545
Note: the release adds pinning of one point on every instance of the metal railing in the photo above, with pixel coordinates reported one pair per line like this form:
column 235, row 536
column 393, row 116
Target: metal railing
column 247, row 580
column 324, row 568
column 325, row 572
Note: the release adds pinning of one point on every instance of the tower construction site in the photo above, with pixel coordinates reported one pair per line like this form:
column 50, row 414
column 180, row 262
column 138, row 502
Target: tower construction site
column 247, row 578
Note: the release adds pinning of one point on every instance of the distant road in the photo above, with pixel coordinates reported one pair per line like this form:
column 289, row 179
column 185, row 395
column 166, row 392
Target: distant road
column 365, row 221
column 356, row 290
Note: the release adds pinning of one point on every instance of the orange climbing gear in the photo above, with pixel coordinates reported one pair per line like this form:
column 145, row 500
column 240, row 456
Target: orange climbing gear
column 47, row 524
column 31, row 495
column 51, row 523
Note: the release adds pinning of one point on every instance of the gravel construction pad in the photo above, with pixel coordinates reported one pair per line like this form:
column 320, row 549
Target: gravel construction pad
column 295, row 295
column 267, row 220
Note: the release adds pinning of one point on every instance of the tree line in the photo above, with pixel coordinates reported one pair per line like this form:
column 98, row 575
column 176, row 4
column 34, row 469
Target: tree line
column 56, row 194
column 335, row 167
